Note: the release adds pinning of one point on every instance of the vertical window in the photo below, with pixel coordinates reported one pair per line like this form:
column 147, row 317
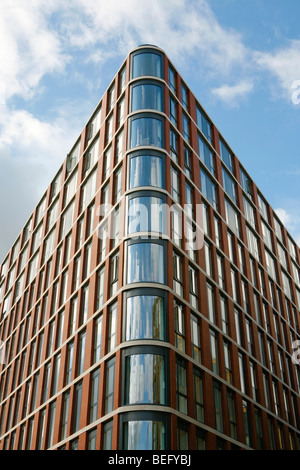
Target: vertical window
column 214, row 351
column 227, row 359
column 175, row 190
column 118, row 185
column 211, row 302
column 122, row 80
column 198, row 393
column 173, row 111
column 172, row 79
column 81, row 353
column 77, row 407
column 55, row 376
column 226, row 155
column 187, row 162
column 100, row 288
column 209, row 189
column 193, row 287
column 224, row 315
column 69, row 362
column 98, row 338
column 51, row 420
column 107, row 435
column 65, row 415
column 174, row 145
column 181, row 389
column 177, row 274
column 179, row 326
column 112, row 328
column 92, row 438
column 95, row 381
column 218, row 406
column 231, row 414
column 204, row 124
column 185, row 127
column 195, row 336
column 84, row 305
column 182, row 436
column 110, row 385
column 229, row 185
column 114, row 274
column 184, row 96
column 242, row 374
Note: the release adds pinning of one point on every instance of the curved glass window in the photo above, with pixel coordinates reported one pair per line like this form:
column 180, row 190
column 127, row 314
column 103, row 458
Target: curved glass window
column 146, row 170
column 146, row 131
column 145, row 317
column 145, row 379
column 146, row 63
column 144, row 435
column 145, row 263
column 146, row 96
column 145, row 214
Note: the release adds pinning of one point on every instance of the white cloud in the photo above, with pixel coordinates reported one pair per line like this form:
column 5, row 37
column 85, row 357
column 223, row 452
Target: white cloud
column 290, row 217
column 284, row 216
column 180, row 27
column 283, row 64
column 232, row 94
column 30, row 49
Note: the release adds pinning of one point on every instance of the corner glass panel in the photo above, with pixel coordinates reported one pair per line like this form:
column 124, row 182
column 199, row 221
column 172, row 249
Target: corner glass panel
column 145, row 317
column 145, row 379
column 146, row 170
column 144, row 435
column 145, row 214
column 145, row 263
column 146, row 131
column 146, row 63
column 146, row 96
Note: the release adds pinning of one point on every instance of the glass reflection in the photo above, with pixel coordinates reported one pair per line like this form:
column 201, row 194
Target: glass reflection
column 146, row 63
column 146, row 96
column 145, row 263
column 146, row 131
column 144, row 435
column 146, row 170
column 145, row 214
column 145, row 379
column 145, row 317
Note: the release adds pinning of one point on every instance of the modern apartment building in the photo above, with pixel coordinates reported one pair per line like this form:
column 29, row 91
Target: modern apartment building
column 152, row 299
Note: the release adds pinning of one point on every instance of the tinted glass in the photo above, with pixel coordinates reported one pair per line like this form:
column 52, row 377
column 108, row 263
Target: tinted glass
column 146, row 63
column 146, row 96
column 146, row 170
column 146, row 131
column 145, row 317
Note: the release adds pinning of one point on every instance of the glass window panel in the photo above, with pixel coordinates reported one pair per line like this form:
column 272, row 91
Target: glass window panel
column 146, row 170
column 146, row 131
column 145, row 317
column 146, row 96
column 145, row 379
column 144, row 435
column 146, row 63
column 145, row 214
column 145, row 263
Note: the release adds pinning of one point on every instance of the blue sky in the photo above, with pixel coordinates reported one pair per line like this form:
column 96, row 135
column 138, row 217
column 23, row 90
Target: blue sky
column 239, row 57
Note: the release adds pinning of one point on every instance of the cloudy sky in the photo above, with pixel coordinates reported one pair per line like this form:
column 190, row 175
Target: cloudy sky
column 241, row 58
